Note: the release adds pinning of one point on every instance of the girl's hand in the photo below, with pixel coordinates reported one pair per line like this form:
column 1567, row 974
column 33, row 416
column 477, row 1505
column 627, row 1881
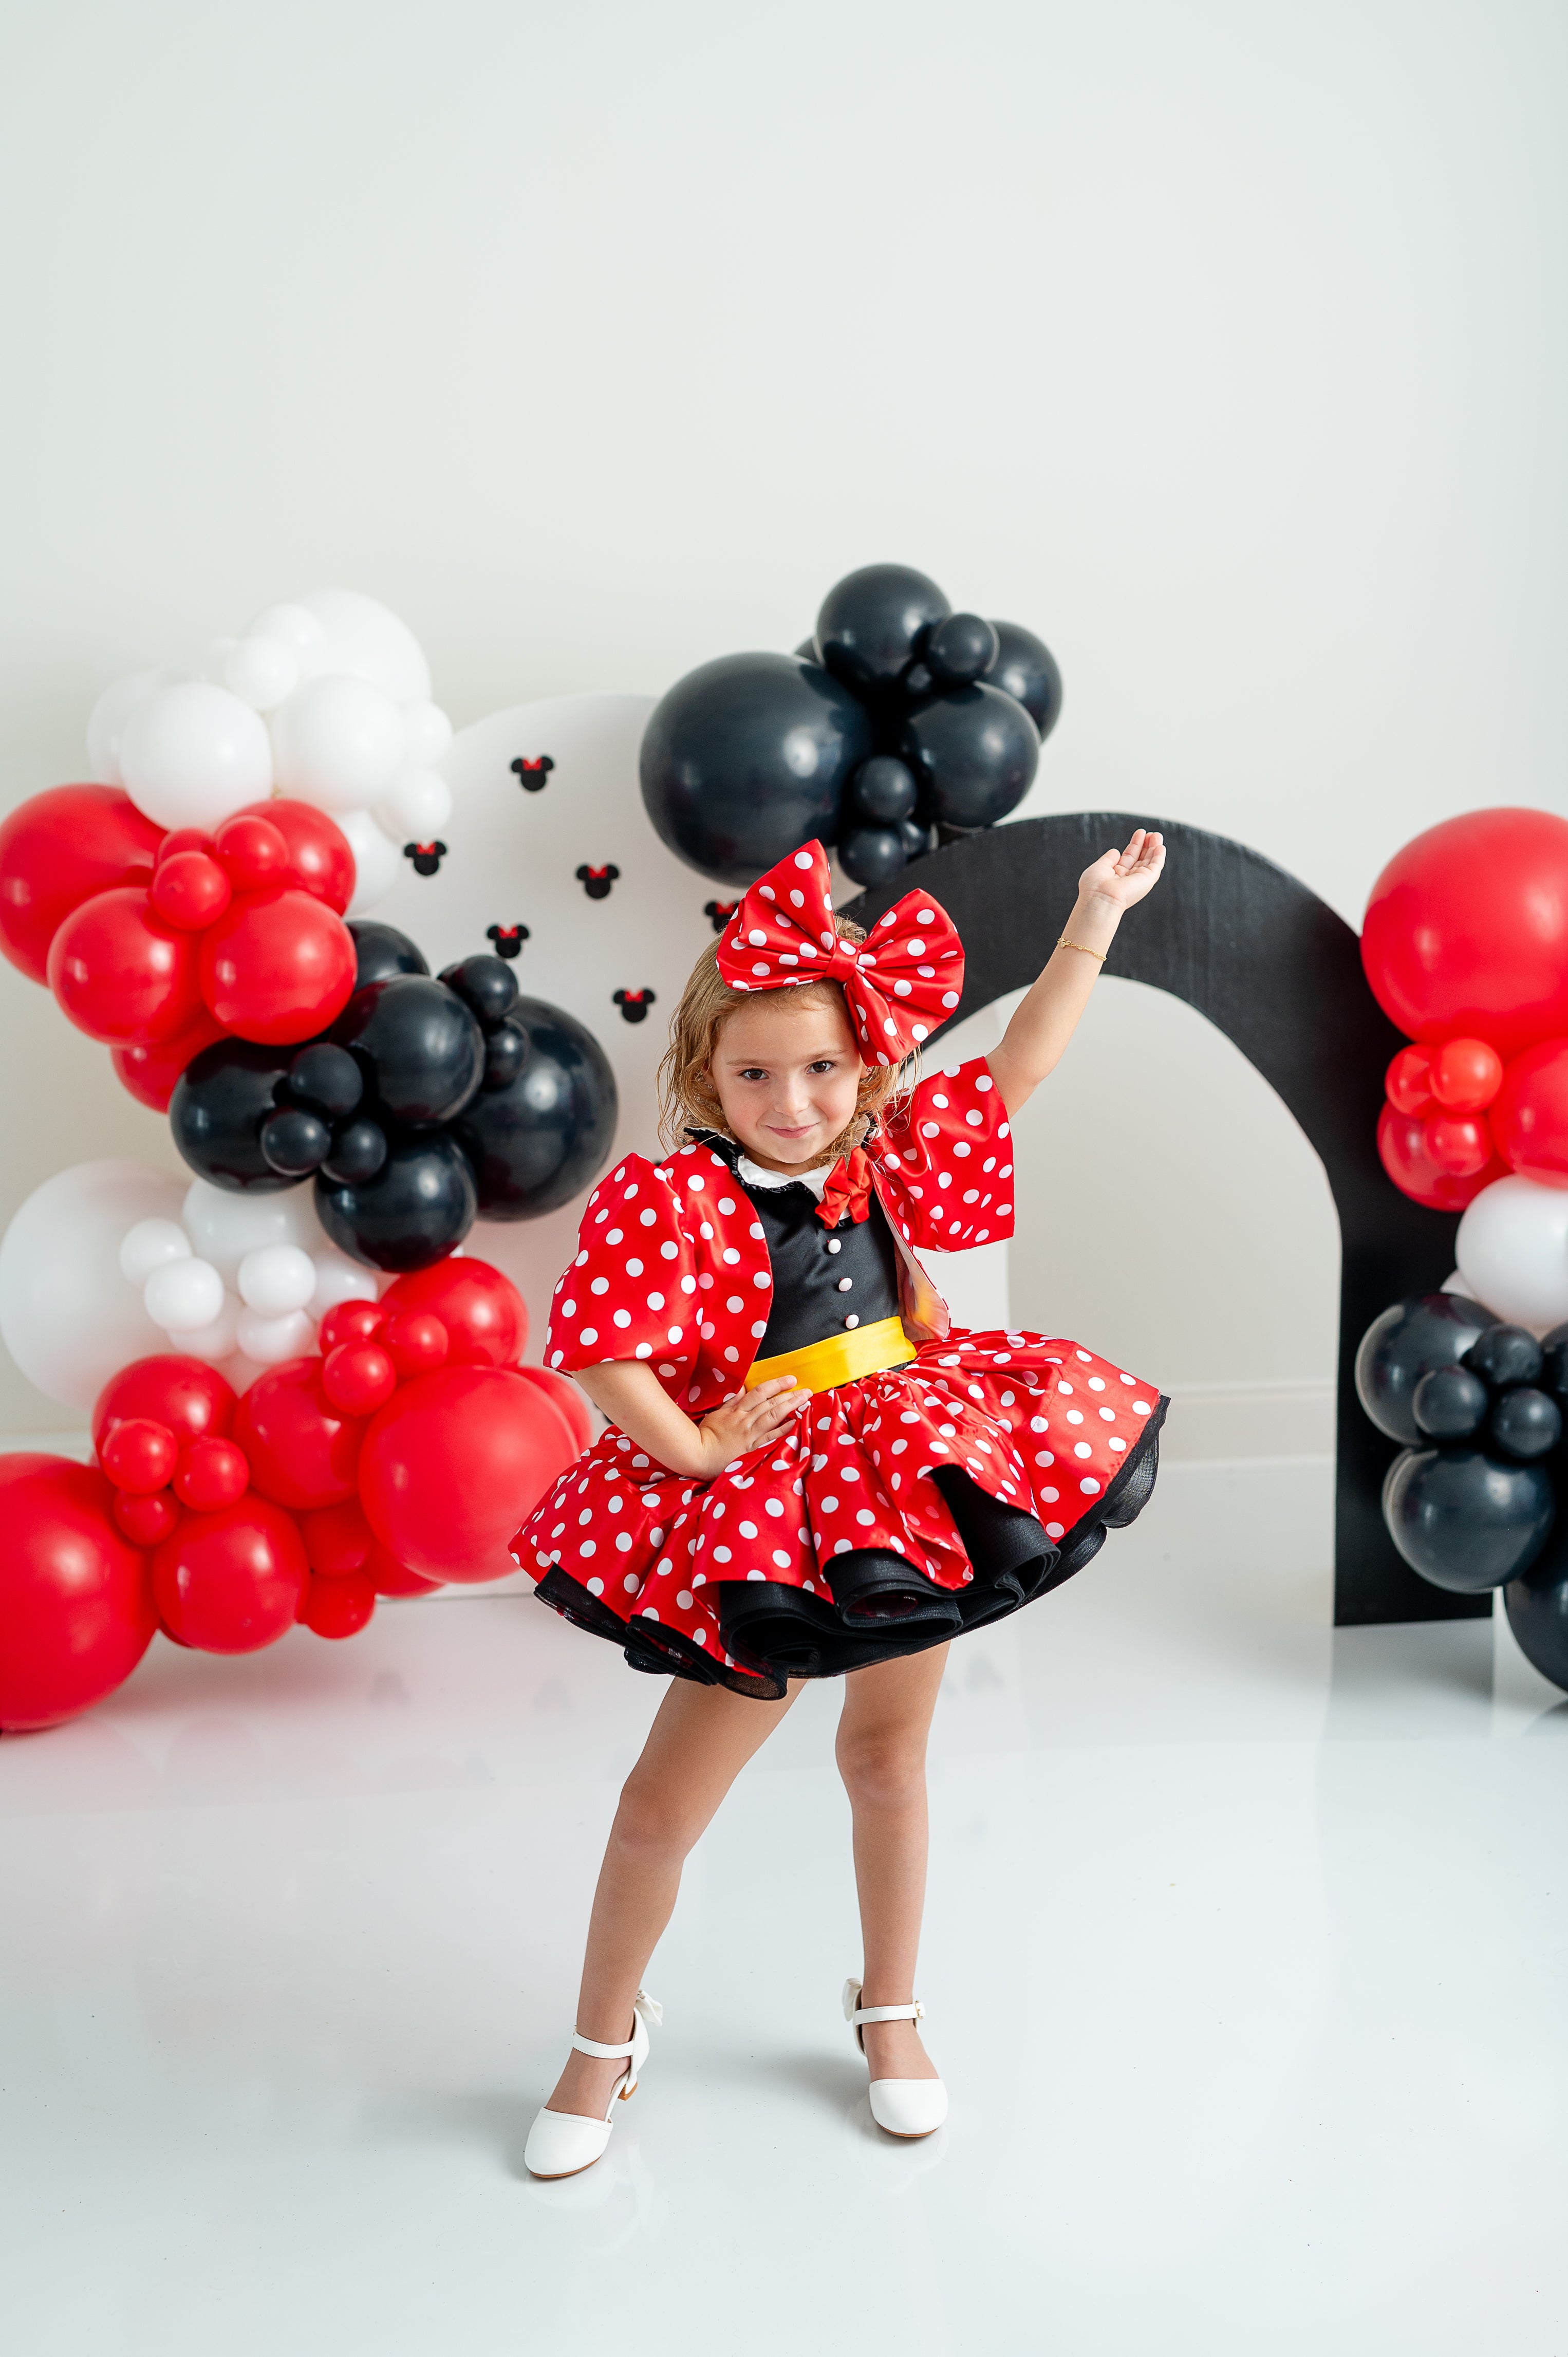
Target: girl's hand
column 1121, row 879
column 748, row 1422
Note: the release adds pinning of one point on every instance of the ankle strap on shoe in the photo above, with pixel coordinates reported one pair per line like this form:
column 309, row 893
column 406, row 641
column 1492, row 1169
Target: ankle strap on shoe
column 916, row 2012
column 647, row 2011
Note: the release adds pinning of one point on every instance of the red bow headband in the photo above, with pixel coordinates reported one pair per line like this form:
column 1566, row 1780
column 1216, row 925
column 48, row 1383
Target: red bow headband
column 902, row 981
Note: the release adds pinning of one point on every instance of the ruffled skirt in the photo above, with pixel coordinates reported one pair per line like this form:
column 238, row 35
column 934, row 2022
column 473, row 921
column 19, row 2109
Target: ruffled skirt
column 897, row 1512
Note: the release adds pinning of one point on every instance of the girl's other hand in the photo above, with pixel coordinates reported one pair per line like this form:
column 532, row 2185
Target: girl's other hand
column 749, row 1421
column 1121, row 879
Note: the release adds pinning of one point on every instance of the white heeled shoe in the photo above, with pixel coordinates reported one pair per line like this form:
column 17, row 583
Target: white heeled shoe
column 562, row 2143
column 905, row 2107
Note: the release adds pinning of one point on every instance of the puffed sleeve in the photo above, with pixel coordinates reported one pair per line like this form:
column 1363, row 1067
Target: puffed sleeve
column 630, row 1291
column 945, row 1160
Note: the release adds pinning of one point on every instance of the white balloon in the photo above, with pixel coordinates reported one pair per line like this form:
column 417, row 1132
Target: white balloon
column 224, row 1226
column 426, row 731
column 339, row 1278
column 183, row 1294
column 270, row 1341
column 148, row 1245
column 276, row 1278
column 239, row 1371
column 217, row 1341
column 192, row 755
column 377, row 859
column 110, row 714
column 419, row 805
column 338, row 742
column 296, row 627
column 261, row 671
column 214, row 656
column 368, row 640
column 69, row 1318
column 1512, row 1251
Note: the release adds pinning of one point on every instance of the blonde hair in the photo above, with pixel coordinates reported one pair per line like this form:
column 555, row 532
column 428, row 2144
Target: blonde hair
column 687, row 1097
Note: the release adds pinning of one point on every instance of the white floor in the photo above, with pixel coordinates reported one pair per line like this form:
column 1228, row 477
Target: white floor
column 1246, row 1962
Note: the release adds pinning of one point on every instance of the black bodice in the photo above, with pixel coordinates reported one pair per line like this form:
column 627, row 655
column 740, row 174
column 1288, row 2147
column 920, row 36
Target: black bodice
column 823, row 1280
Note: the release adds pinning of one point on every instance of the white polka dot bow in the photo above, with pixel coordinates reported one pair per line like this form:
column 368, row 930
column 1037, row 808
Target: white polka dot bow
column 904, row 979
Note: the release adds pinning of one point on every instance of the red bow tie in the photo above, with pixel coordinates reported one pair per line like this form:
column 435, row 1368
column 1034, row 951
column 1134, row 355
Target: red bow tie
column 848, row 1189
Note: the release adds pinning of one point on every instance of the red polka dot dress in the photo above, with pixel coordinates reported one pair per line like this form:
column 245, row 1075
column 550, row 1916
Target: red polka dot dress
column 902, row 1507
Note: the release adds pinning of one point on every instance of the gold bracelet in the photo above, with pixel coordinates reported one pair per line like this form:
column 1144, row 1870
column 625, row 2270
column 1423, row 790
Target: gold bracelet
column 1064, row 944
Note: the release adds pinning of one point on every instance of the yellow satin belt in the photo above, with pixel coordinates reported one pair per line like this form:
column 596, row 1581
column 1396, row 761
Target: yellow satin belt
column 838, row 1358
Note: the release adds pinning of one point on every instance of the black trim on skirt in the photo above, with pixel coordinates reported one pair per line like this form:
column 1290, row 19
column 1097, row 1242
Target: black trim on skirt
column 882, row 1608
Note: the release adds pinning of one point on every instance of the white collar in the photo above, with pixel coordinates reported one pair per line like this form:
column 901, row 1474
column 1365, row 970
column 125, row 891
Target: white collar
column 751, row 1174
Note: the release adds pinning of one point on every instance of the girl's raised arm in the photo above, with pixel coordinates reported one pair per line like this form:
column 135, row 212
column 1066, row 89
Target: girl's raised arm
column 1047, row 1017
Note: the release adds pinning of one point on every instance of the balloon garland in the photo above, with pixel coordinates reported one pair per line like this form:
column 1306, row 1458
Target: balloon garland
column 1466, row 947
column 897, row 722
column 302, row 1400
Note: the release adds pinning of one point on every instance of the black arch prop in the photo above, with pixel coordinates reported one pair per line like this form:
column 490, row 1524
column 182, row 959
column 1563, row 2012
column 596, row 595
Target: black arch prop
column 1274, row 968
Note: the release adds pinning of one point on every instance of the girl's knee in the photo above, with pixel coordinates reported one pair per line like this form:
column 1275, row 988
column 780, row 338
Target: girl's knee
column 652, row 1818
column 881, row 1768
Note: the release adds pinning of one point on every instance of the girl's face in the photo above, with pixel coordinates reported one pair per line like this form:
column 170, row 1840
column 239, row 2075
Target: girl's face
column 786, row 1070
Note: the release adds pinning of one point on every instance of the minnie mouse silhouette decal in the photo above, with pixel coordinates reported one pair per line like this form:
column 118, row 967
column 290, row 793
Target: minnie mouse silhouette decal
column 426, row 856
column 597, row 881
column 531, row 776
column 719, row 912
column 508, row 938
column 634, row 1005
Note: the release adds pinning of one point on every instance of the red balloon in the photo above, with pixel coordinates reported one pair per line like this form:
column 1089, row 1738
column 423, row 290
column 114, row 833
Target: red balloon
column 394, row 1578
column 1466, row 931
column 193, row 1399
column 211, row 1473
column 338, row 1607
column 277, row 966
column 452, row 1465
column 76, row 1606
column 183, row 838
column 417, row 1341
column 120, row 974
column 144, row 1518
column 302, row 1450
column 565, row 1397
column 232, row 1582
column 1408, row 1081
column 321, row 860
column 251, row 852
column 484, row 1314
column 358, row 1378
column 1466, row 1075
column 150, row 1071
column 1530, row 1119
column 140, row 1455
column 1458, row 1144
column 337, row 1539
column 349, row 1322
column 58, row 849
column 1401, row 1143
column 190, row 890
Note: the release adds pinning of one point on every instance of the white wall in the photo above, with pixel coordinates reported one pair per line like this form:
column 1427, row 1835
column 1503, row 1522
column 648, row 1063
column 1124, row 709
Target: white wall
column 1222, row 343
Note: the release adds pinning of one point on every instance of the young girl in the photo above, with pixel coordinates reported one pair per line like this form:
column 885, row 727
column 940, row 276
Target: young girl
column 808, row 1472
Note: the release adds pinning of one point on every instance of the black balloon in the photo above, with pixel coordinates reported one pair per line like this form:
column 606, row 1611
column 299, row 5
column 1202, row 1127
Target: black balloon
column 295, row 1142
column 1450, row 1403
column 916, row 837
column 1554, row 1361
column 747, row 757
column 486, row 985
column 1505, row 1355
column 423, row 1046
column 219, row 1104
column 359, row 1150
column 975, row 752
column 870, row 855
column 381, row 952
column 327, row 1079
column 882, row 791
column 874, row 623
column 537, row 1142
column 1025, row 668
column 1430, row 1330
column 506, row 1051
column 1465, row 1521
column 918, row 682
column 420, row 1203
column 962, row 649
column 1525, row 1423
column 1537, row 1607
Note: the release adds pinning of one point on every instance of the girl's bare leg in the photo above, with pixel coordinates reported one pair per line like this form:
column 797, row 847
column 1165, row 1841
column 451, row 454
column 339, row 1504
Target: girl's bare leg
column 698, row 1744
column 882, row 1757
